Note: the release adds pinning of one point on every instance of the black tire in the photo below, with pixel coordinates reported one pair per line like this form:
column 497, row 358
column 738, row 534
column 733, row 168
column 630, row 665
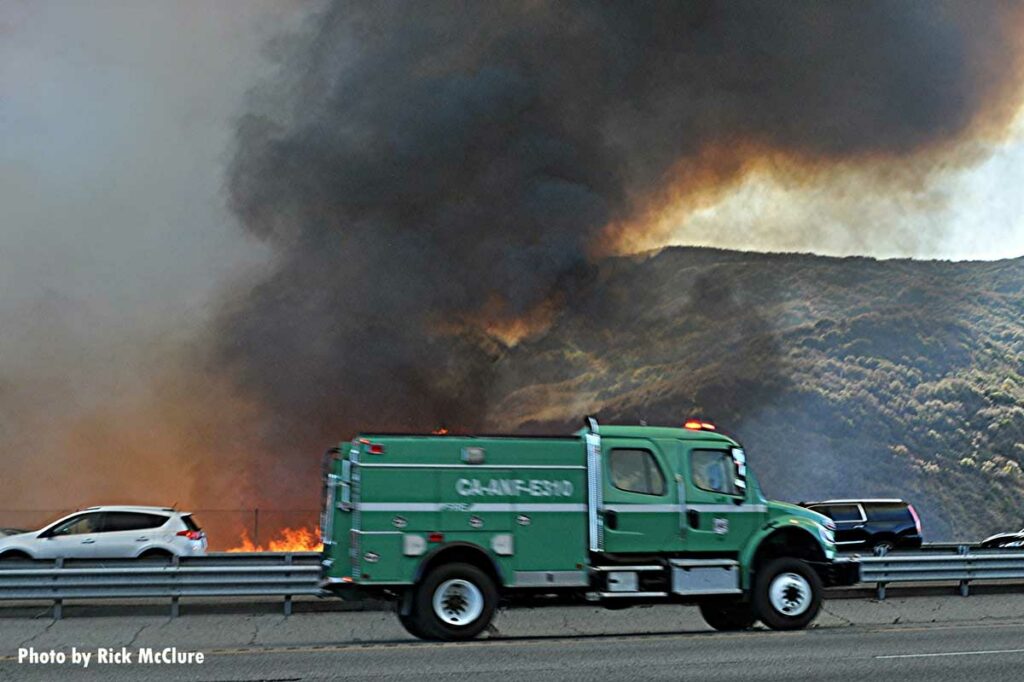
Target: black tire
column 799, row 595
column 456, row 579
column 887, row 543
column 728, row 616
column 15, row 556
column 408, row 621
column 156, row 554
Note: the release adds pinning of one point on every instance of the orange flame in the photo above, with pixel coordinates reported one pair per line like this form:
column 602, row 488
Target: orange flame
column 498, row 321
column 288, row 540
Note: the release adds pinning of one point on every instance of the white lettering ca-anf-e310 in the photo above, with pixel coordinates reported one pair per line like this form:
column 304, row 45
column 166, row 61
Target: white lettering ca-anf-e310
column 513, row 487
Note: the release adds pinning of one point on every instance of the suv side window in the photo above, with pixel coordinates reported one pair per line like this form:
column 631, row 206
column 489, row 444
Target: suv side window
column 125, row 521
column 636, row 471
column 841, row 513
column 888, row 512
column 79, row 525
column 714, row 471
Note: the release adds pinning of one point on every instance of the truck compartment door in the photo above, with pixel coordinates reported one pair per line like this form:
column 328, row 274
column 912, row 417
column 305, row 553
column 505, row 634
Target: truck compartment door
column 705, row 576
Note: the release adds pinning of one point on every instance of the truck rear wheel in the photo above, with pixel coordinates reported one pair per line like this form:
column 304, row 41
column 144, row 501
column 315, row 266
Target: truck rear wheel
column 728, row 616
column 454, row 602
column 787, row 594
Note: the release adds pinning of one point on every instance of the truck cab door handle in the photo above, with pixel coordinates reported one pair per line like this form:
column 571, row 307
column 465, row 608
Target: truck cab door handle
column 611, row 520
column 142, row 539
column 89, row 541
column 693, row 516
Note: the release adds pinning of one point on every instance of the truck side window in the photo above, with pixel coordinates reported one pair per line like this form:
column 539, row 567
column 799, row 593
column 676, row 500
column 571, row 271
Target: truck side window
column 714, row 471
column 636, row 471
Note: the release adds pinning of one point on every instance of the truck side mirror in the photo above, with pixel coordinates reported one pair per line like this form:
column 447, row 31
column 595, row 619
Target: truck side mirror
column 739, row 459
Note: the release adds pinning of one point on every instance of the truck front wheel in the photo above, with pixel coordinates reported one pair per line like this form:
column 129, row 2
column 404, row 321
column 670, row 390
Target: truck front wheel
column 728, row 616
column 454, row 602
column 787, row 594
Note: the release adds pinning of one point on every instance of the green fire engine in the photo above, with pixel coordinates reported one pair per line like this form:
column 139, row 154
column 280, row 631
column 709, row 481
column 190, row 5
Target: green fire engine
column 452, row 526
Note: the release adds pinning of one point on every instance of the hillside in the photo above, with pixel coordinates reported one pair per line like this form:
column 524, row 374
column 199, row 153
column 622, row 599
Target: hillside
column 843, row 377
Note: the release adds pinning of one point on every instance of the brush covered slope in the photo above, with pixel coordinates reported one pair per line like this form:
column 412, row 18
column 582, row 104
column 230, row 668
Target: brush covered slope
column 845, row 377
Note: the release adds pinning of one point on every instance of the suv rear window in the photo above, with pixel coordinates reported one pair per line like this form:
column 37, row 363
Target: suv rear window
column 887, row 511
column 190, row 522
column 124, row 521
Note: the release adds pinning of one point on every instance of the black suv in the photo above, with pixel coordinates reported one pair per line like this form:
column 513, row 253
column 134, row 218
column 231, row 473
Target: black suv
column 873, row 525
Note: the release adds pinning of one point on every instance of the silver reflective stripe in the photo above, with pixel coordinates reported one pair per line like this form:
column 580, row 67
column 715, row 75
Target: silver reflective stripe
column 410, row 465
column 468, row 507
column 551, row 578
column 650, row 508
column 546, row 507
column 594, row 493
column 398, row 506
column 724, row 508
column 327, row 516
column 674, row 508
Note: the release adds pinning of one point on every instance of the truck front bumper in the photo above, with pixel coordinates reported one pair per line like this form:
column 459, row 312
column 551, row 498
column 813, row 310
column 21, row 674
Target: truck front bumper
column 839, row 572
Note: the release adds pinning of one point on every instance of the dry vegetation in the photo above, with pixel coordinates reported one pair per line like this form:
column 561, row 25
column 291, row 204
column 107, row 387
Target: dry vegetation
column 843, row 377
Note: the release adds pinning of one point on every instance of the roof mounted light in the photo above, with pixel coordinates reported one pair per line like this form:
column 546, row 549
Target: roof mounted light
column 698, row 425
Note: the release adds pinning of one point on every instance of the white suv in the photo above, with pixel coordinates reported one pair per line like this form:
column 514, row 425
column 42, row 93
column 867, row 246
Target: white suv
column 110, row 533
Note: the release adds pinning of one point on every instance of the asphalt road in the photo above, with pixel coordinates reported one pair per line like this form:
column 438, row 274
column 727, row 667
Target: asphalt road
column 922, row 638
column 937, row 653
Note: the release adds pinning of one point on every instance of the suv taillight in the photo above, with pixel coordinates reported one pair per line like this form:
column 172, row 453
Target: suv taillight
column 191, row 534
column 917, row 520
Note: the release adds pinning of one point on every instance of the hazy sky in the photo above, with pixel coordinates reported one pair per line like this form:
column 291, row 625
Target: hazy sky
column 116, row 121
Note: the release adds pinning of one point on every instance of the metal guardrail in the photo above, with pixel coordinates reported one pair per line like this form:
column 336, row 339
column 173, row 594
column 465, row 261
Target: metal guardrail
column 255, row 574
column 964, row 567
column 262, row 574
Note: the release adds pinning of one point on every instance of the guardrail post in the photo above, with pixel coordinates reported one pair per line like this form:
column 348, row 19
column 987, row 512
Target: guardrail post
column 880, row 592
column 58, row 604
column 175, row 606
column 288, row 597
column 965, row 590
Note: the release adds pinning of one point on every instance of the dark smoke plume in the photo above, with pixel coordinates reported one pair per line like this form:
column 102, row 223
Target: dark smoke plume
column 432, row 173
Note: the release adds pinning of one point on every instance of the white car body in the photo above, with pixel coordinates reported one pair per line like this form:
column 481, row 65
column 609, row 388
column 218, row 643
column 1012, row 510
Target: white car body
column 112, row 532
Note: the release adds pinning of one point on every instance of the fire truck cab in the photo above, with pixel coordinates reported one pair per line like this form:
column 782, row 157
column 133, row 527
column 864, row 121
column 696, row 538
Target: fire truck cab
column 449, row 527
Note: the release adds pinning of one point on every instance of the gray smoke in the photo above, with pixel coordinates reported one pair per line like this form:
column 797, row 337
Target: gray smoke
column 428, row 171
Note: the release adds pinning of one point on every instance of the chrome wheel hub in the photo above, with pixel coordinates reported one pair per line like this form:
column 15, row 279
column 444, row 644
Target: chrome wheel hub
column 458, row 602
column 790, row 594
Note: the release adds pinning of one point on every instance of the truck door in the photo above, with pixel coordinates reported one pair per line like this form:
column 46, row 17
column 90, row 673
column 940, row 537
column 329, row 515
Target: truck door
column 640, row 509
column 719, row 517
